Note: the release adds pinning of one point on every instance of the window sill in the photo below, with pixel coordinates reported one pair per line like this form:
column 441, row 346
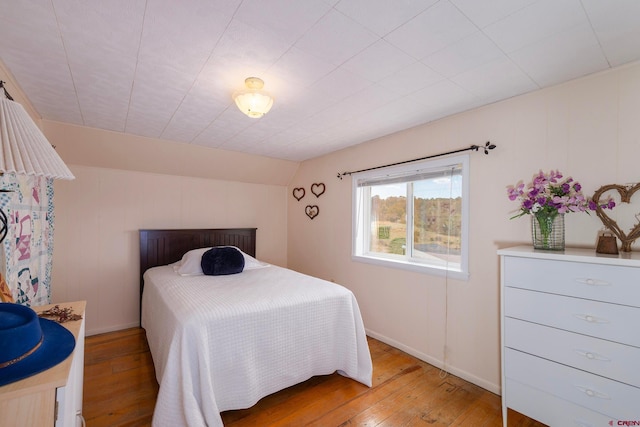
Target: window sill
column 409, row 266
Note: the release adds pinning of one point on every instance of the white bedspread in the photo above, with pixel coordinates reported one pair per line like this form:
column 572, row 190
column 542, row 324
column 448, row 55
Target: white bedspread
column 224, row 342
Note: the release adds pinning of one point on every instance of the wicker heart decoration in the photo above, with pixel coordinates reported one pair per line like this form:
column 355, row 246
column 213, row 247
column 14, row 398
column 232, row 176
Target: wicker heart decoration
column 625, row 197
column 298, row 193
column 318, row 189
column 312, row 211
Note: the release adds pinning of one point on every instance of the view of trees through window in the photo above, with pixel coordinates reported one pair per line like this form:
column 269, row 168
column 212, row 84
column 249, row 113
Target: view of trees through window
column 414, row 216
column 436, row 226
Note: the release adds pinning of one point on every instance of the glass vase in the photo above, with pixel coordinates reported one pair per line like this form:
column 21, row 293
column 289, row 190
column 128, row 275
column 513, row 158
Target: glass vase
column 547, row 231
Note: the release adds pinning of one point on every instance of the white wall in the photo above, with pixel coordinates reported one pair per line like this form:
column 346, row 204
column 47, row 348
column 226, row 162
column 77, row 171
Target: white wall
column 587, row 128
column 125, row 183
column 98, row 215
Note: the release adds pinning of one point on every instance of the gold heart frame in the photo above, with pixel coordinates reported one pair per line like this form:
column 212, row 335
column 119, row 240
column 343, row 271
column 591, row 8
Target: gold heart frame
column 625, row 196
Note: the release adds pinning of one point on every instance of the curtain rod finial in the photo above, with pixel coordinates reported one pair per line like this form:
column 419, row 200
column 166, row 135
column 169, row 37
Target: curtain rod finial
column 488, row 146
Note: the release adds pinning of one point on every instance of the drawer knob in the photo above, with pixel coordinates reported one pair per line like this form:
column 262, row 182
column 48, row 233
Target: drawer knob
column 592, row 393
column 592, row 356
column 592, row 282
column 590, row 318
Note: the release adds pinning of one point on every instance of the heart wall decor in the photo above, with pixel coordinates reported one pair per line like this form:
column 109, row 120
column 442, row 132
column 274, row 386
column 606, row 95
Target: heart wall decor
column 626, row 192
column 312, row 211
column 298, row 193
column 318, row 189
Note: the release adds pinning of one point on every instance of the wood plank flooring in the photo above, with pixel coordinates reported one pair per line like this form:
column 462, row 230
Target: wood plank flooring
column 120, row 389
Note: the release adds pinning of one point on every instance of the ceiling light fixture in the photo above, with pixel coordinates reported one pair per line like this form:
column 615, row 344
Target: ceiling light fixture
column 253, row 101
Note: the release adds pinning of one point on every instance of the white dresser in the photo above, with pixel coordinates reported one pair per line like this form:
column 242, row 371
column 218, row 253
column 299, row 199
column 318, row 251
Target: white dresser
column 52, row 398
column 570, row 336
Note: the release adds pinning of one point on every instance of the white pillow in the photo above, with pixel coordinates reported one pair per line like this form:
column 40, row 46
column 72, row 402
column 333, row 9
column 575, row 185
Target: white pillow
column 189, row 265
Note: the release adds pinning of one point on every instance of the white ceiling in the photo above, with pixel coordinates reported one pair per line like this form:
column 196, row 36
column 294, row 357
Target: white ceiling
column 341, row 71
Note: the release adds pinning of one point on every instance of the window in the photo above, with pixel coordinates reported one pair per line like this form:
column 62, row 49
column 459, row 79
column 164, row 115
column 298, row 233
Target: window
column 414, row 216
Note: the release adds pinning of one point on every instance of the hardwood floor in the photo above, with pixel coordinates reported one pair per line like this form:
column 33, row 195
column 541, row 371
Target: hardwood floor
column 120, row 390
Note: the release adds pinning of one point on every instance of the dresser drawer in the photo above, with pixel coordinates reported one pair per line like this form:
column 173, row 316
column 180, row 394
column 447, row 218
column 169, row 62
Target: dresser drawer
column 610, row 398
column 605, row 358
column 607, row 283
column 597, row 319
column 551, row 410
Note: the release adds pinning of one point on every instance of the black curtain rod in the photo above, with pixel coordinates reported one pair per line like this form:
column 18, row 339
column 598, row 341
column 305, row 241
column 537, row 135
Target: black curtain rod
column 488, row 146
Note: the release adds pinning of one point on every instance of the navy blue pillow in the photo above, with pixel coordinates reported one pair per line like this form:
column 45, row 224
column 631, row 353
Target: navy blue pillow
column 220, row 261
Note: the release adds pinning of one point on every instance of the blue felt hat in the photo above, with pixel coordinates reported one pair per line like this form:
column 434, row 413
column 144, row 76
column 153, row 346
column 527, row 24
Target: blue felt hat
column 29, row 344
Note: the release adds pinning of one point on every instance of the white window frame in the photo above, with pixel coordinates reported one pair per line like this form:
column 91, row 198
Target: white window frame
column 361, row 220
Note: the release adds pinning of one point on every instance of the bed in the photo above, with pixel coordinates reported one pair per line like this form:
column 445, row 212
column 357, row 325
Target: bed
column 224, row 342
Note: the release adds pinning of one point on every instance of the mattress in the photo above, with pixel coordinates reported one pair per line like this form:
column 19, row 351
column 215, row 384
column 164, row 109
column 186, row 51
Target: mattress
column 224, row 342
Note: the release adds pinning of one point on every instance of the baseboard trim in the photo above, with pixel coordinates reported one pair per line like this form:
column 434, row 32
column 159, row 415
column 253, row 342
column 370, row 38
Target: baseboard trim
column 480, row 382
column 111, row 329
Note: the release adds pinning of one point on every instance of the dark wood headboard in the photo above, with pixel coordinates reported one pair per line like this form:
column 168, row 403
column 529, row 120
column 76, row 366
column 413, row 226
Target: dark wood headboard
column 162, row 247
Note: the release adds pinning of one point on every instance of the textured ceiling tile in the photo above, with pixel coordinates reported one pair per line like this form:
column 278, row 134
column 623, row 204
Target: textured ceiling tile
column 221, row 76
column 444, row 94
column 229, row 123
column 243, row 141
column 242, row 44
column 99, row 46
column 169, row 69
column 156, row 95
column 536, row 22
column 412, row 78
column 316, row 123
column 340, row 84
column 339, row 113
column 486, row 12
column 286, row 137
column 103, row 105
column 287, row 19
column 617, row 26
column 39, row 11
column 213, row 136
column 182, row 34
column 495, row 80
column 33, row 51
column 432, row 30
column 352, row 108
column 281, row 118
column 392, row 117
column 470, row 52
column 383, row 16
column 368, row 63
column 103, row 97
column 300, row 69
column 568, row 55
column 95, row 30
column 308, row 103
column 191, row 118
column 369, row 98
column 49, row 85
column 336, row 38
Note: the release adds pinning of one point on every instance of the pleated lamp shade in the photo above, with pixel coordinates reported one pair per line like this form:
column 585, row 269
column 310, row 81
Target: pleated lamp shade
column 25, row 150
